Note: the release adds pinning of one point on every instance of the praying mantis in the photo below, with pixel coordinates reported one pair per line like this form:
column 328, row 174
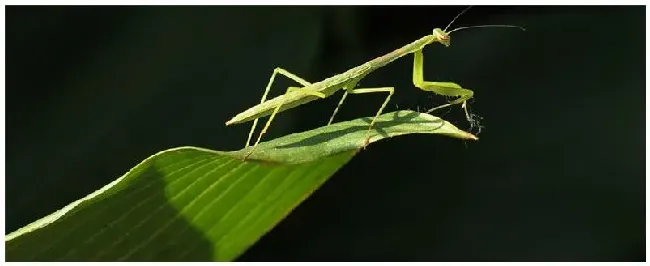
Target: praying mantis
column 348, row 80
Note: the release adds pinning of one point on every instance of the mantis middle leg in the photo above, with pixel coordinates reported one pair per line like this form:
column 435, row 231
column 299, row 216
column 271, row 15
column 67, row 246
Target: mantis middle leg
column 349, row 89
column 390, row 91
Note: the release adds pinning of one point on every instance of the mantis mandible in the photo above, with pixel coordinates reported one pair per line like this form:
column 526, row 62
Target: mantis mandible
column 348, row 80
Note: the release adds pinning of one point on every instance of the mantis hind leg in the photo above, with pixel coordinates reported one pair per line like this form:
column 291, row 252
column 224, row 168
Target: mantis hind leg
column 276, row 71
column 277, row 109
column 441, row 88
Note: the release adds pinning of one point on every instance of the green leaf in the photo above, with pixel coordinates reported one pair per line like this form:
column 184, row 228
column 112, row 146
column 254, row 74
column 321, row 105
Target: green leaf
column 193, row 204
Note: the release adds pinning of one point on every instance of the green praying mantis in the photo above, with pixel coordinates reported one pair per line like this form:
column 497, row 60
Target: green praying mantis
column 348, row 80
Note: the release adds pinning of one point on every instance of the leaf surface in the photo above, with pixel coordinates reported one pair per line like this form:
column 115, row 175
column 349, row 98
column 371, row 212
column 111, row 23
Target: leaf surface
column 194, row 204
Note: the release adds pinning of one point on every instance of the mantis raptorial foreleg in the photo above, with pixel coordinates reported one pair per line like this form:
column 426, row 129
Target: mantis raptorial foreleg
column 442, row 88
column 285, row 73
column 277, row 109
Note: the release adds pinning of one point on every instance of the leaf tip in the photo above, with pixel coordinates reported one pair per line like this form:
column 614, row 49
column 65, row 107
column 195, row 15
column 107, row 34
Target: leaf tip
column 471, row 136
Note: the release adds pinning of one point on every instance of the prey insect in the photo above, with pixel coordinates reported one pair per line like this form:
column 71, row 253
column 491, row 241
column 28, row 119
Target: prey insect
column 347, row 81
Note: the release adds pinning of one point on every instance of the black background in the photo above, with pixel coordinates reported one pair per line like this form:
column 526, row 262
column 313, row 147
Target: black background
column 558, row 173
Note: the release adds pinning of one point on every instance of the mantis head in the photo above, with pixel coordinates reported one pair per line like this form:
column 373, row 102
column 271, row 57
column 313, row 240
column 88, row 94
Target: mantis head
column 441, row 36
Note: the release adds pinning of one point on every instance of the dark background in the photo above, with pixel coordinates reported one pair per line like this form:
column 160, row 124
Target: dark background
column 558, row 173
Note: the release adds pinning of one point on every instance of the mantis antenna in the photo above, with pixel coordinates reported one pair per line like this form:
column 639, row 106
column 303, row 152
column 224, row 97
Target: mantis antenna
column 487, row 26
column 479, row 26
column 452, row 21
